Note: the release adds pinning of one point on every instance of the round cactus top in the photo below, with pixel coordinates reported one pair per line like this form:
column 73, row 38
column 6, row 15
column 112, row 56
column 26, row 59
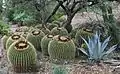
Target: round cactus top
column 36, row 32
column 15, row 37
column 59, row 28
column 21, row 45
column 50, row 36
column 62, row 38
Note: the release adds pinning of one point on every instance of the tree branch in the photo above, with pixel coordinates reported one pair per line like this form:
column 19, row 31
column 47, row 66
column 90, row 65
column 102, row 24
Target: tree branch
column 54, row 11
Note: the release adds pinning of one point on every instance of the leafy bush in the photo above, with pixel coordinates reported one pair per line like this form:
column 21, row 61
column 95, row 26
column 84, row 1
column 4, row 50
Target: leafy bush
column 96, row 49
column 4, row 28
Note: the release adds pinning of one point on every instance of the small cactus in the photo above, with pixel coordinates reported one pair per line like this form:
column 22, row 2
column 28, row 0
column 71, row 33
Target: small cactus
column 22, row 56
column 35, row 37
column 4, row 40
column 44, row 43
column 12, row 39
column 84, row 33
column 61, row 47
column 59, row 31
column 51, row 26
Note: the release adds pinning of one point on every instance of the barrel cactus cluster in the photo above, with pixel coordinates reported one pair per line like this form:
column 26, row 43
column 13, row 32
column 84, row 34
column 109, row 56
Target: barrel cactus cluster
column 54, row 42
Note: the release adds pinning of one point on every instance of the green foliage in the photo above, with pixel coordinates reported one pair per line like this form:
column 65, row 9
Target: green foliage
column 57, row 16
column 4, row 28
column 59, row 31
column 22, row 55
column 35, row 37
column 96, row 49
column 61, row 47
column 44, row 43
column 12, row 39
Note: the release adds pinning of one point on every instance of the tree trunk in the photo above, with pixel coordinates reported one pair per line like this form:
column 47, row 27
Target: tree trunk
column 68, row 25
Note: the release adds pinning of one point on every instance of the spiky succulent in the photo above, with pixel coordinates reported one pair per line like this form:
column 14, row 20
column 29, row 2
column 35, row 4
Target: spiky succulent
column 35, row 37
column 22, row 56
column 59, row 31
column 44, row 43
column 61, row 47
column 51, row 26
column 59, row 69
column 97, row 49
column 12, row 39
column 22, row 29
column 4, row 40
column 84, row 33
column 46, row 30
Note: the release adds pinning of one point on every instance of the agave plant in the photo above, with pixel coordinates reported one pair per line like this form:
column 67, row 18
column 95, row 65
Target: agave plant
column 97, row 50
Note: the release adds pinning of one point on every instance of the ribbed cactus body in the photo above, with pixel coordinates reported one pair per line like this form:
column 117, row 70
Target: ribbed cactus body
column 44, row 43
column 4, row 40
column 51, row 26
column 46, row 31
column 61, row 48
column 12, row 39
column 82, row 33
column 35, row 37
column 59, row 31
column 22, row 56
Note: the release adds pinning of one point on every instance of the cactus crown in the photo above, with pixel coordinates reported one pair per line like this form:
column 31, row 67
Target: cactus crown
column 59, row 29
column 50, row 36
column 21, row 45
column 15, row 37
column 36, row 32
column 63, row 38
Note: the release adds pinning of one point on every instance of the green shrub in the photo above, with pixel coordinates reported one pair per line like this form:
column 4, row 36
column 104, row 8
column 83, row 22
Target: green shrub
column 4, row 28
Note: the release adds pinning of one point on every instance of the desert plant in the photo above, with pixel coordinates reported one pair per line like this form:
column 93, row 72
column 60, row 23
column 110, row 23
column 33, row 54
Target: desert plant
column 4, row 28
column 44, row 43
column 22, row 56
column 84, row 33
column 35, row 37
column 51, row 26
column 4, row 40
column 61, row 47
column 12, row 39
column 59, row 31
column 46, row 30
column 96, row 49
column 59, row 69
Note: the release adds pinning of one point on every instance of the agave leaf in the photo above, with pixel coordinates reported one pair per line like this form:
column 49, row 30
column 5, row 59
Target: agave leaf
column 88, row 45
column 83, row 50
column 105, row 43
column 110, row 50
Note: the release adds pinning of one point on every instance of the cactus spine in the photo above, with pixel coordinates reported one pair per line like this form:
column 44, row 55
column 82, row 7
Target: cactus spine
column 22, row 56
column 61, row 47
column 44, row 43
column 35, row 38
